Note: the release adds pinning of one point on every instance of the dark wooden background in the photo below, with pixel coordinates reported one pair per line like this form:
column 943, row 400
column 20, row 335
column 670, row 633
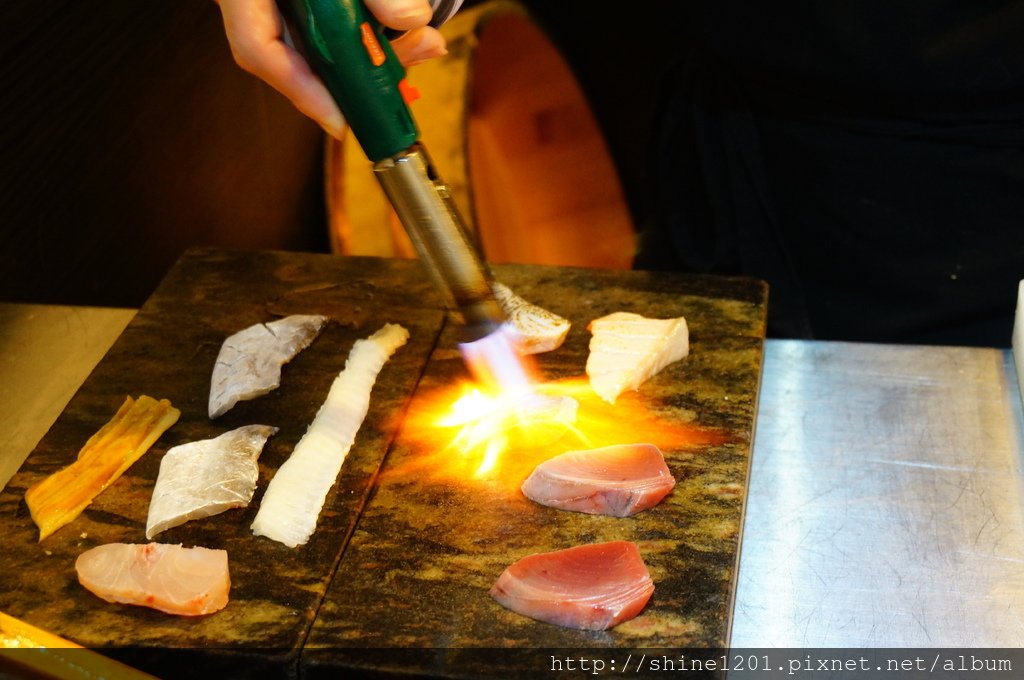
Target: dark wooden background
column 128, row 134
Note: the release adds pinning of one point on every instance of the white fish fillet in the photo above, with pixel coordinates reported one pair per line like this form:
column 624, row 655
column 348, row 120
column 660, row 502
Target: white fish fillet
column 626, row 349
column 173, row 579
column 249, row 363
column 538, row 329
column 292, row 503
column 207, row 477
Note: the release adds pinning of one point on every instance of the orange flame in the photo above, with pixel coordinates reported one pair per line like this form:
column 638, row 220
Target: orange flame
column 467, row 434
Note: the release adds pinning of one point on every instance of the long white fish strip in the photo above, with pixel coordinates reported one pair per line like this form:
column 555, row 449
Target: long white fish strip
column 538, row 329
column 296, row 494
column 249, row 363
column 626, row 349
column 207, row 477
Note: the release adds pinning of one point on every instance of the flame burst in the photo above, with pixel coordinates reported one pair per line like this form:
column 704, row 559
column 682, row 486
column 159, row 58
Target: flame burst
column 467, row 433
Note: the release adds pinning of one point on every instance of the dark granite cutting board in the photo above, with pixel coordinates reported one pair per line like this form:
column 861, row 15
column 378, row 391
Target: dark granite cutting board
column 411, row 594
column 168, row 351
column 426, row 547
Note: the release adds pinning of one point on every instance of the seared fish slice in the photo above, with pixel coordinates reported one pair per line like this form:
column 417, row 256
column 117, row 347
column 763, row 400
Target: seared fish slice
column 292, row 502
column 250, row 361
column 538, row 329
column 626, row 349
column 173, row 579
column 590, row 587
column 617, row 480
column 207, row 477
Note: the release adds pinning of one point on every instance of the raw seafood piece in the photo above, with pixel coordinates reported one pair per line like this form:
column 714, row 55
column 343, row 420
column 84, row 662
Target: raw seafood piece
column 292, row 503
column 173, row 579
column 591, row 587
column 62, row 496
column 207, row 477
column 538, row 330
column 627, row 349
column 249, row 363
column 616, row 480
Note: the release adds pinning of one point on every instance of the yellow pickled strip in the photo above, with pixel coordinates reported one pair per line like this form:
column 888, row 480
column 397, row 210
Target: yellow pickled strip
column 162, row 416
column 115, row 427
column 68, row 492
column 109, row 427
column 53, row 486
column 62, row 496
column 127, row 427
column 141, row 428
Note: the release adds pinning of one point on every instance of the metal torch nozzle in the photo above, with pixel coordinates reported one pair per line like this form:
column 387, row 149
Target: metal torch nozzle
column 425, row 207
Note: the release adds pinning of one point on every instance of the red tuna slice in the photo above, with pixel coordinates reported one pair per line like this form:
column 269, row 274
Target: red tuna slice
column 591, row 587
column 173, row 579
column 616, row 480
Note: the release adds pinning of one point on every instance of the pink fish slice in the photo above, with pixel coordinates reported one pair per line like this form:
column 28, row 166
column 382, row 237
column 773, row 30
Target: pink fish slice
column 618, row 480
column 589, row 587
column 173, row 579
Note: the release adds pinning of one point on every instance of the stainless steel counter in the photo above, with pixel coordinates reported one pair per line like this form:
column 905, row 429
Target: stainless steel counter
column 885, row 503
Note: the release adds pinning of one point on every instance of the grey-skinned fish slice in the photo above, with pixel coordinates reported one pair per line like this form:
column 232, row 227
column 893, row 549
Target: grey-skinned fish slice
column 537, row 329
column 249, row 363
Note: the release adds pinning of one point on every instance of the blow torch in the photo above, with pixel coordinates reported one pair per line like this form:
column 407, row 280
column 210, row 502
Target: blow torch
column 347, row 48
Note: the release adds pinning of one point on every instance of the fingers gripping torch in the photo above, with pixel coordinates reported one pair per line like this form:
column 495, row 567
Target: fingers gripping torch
column 346, row 47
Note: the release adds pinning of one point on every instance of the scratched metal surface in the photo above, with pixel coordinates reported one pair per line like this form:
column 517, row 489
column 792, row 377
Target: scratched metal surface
column 885, row 506
column 46, row 351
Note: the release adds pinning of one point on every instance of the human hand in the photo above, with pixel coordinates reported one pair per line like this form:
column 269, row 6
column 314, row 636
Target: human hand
column 255, row 27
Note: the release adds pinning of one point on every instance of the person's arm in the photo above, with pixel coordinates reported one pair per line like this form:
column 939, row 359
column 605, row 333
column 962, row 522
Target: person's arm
column 255, row 28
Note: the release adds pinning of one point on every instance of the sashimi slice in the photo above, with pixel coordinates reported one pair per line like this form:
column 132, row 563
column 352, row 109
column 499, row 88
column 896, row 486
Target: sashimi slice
column 294, row 497
column 173, row 579
column 626, row 349
column 61, row 497
column 616, row 480
column 538, row 330
column 590, row 587
column 249, row 363
column 203, row 478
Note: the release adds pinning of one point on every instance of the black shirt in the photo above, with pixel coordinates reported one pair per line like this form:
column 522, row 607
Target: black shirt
column 865, row 158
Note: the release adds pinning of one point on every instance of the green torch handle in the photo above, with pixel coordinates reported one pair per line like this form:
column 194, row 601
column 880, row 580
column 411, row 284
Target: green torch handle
column 346, row 47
